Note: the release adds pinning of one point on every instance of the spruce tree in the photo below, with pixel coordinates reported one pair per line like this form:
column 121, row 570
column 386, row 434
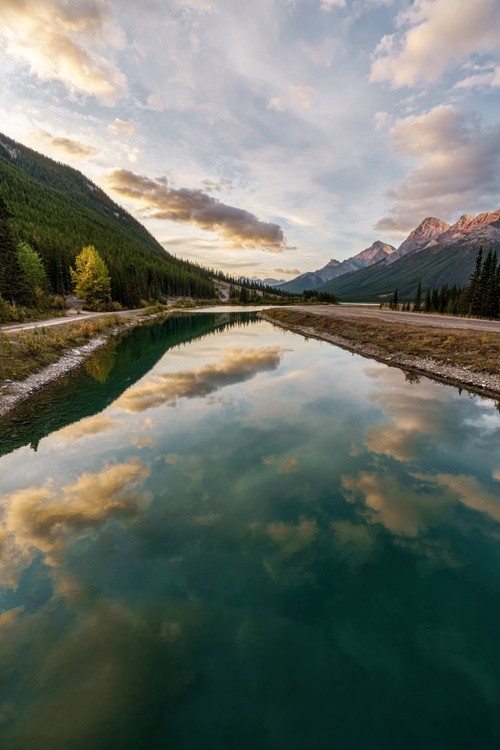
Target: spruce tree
column 417, row 305
column 12, row 287
column 472, row 293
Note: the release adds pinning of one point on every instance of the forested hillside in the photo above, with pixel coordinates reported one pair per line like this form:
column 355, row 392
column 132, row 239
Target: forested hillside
column 432, row 267
column 57, row 210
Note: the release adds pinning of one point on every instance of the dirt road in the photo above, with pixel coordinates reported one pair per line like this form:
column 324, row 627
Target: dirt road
column 416, row 319
column 77, row 317
column 340, row 311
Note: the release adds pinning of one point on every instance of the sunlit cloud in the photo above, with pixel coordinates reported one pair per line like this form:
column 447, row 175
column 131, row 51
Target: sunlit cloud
column 434, row 36
column 405, row 509
column 458, row 169
column 88, row 427
column 47, row 519
column 121, row 127
column 68, row 146
column 471, row 493
column 66, row 42
column 236, row 366
column 290, row 537
column 237, row 227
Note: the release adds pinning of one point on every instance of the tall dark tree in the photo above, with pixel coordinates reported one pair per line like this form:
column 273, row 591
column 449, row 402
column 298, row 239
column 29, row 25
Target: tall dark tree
column 417, row 305
column 472, row 301
column 12, row 287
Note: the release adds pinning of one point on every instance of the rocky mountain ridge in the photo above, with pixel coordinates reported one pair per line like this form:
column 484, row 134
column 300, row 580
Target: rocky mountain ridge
column 432, row 232
column 335, row 268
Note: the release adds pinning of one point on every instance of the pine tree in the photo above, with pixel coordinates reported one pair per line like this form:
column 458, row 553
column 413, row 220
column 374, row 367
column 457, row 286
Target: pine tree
column 417, row 305
column 472, row 300
column 12, row 287
column 395, row 300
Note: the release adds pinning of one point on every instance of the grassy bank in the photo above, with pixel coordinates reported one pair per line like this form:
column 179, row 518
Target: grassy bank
column 477, row 351
column 23, row 353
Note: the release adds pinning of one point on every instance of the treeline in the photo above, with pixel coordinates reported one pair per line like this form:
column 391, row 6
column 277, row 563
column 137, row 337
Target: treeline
column 57, row 211
column 479, row 299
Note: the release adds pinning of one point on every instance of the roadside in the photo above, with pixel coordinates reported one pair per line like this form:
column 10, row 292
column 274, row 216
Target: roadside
column 467, row 356
column 37, row 354
column 68, row 318
column 396, row 316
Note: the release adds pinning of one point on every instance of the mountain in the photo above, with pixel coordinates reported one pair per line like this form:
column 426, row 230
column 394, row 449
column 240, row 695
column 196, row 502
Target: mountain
column 57, row 210
column 428, row 230
column 435, row 258
column 335, row 268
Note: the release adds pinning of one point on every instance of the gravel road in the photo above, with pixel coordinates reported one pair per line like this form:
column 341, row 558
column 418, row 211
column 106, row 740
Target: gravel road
column 420, row 319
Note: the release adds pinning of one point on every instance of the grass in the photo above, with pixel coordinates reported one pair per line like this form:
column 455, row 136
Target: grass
column 477, row 350
column 23, row 353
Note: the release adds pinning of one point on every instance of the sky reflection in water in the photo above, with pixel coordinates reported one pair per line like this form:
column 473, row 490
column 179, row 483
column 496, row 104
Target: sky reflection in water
column 262, row 542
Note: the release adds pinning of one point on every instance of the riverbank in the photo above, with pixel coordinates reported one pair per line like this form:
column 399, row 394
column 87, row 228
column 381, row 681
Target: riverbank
column 30, row 360
column 464, row 358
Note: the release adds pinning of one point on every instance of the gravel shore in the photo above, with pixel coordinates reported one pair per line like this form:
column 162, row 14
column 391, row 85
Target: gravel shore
column 486, row 384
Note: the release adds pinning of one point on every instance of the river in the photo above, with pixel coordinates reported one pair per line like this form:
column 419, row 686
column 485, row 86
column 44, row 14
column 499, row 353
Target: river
column 220, row 535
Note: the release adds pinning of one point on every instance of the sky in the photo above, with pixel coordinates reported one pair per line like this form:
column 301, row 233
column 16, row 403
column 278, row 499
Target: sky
column 263, row 137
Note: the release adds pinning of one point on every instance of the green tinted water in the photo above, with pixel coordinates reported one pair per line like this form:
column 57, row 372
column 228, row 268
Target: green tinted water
column 248, row 540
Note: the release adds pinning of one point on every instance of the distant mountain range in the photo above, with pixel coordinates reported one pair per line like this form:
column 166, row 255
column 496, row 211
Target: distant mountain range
column 335, row 268
column 434, row 253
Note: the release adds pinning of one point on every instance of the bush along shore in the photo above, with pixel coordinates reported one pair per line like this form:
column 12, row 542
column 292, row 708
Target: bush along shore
column 466, row 358
column 31, row 359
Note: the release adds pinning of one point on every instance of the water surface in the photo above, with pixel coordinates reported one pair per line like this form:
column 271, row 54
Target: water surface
column 231, row 537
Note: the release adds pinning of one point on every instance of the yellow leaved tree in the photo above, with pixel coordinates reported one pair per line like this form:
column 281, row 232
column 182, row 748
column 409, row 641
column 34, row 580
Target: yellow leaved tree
column 91, row 276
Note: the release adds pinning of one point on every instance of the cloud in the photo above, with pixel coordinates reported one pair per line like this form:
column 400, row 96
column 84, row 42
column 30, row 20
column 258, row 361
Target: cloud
column 68, row 145
column 380, row 119
column 403, row 508
column 415, row 420
column 46, row 519
column 119, row 127
column 458, row 169
column 292, row 538
column 471, row 493
column 287, row 271
column 276, row 104
column 490, row 78
column 91, row 426
column 435, row 35
column 66, row 42
column 302, row 95
column 237, row 227
column 327, row 5
column 236, row 366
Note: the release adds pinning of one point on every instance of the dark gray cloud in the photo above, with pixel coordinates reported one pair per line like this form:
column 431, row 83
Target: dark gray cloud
column 236, row 226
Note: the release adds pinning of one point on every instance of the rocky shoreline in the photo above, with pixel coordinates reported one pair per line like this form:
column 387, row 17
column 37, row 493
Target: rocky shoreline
column 13, row 392
column 485, row 384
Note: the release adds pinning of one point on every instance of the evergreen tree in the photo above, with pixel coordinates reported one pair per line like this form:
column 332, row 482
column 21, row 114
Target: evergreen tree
column 427, row 303
column 472, row 300
column 90, row 276
column 395, row 301
column 12, row 286
column 417, row 305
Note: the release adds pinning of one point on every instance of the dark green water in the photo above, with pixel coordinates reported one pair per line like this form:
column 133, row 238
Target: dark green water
column 229, row 537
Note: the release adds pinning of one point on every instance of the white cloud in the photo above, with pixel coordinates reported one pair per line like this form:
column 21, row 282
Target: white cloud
column 441, row 34
column 67, row 43
column 120, row 127
column 458, row 169
column 380, row 119
column 490, row 78
column 327, row 5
